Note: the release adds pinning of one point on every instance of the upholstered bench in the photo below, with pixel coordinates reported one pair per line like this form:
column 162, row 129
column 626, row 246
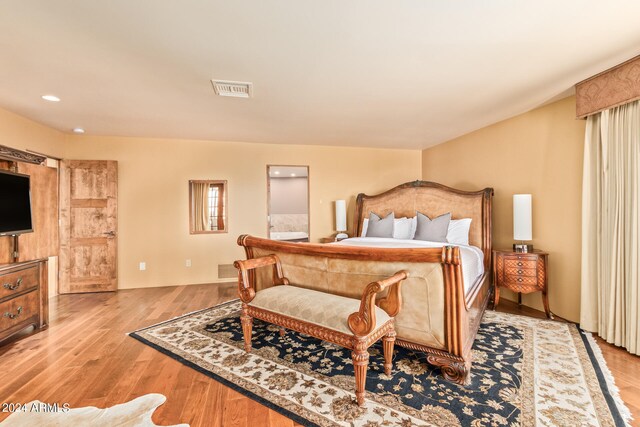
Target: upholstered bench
column 350, row 323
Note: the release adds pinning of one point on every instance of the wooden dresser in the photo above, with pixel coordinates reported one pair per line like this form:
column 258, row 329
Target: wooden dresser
column 521, row 272
column 23, row 297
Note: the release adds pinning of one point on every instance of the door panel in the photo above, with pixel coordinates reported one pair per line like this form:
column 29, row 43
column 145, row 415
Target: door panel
column 88, row 226
column 43, row 242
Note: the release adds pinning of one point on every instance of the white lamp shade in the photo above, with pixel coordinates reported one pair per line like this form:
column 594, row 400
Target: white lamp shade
column 341, row 215
column 522, row 227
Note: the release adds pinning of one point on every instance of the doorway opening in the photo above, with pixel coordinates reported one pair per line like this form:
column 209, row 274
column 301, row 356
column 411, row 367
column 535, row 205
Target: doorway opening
column 288, row 203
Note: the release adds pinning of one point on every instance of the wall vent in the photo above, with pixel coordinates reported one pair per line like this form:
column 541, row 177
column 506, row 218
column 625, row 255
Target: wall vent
column 234, row 89
column 227, row 271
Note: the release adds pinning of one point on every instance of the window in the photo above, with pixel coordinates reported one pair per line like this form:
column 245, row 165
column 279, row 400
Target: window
column 207, row 206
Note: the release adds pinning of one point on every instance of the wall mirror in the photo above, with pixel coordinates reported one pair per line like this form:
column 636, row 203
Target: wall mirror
column 288, row 203
column 207, row 206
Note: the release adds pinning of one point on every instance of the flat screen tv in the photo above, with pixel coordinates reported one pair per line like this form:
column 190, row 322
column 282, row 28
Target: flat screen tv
column 15, row 204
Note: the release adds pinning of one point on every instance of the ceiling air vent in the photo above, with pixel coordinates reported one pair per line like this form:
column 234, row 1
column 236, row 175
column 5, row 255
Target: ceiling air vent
column 235, row 89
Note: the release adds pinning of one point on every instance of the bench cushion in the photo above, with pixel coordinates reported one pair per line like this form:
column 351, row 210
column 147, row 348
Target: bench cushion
column 319, row 308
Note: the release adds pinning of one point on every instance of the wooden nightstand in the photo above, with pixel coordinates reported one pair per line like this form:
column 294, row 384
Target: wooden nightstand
column 522, row 273
column 331, row 239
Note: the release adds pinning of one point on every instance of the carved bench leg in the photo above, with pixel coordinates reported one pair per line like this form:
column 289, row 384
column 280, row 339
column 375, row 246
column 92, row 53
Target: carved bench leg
column 387, row 344
column 247, row 325
column 360, row 363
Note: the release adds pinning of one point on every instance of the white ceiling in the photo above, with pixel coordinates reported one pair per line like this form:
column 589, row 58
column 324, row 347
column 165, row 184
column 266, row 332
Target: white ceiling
column 406, row 74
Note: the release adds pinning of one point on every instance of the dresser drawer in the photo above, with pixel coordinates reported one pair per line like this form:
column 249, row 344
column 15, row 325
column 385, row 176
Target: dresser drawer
column 519, row 263
column 520, row 271
column 19, row 309
column 520, row 280
column 18, row 281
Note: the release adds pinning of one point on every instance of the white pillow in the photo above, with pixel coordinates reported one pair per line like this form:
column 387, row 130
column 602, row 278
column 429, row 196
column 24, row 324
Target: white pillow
column 458, row 231
column 403, row 228
column 414, row 225
column 365, row 225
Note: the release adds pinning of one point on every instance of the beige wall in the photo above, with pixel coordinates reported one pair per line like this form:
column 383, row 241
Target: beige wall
column 24, row 134
column 539, row 152
column 289, row 196
column 153, row 196
column 21, row 133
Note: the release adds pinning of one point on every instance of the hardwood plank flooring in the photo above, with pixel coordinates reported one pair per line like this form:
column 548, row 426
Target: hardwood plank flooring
column 85, row 358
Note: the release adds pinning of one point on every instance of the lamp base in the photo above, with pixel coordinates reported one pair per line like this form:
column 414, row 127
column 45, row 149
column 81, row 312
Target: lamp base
column 521, row 247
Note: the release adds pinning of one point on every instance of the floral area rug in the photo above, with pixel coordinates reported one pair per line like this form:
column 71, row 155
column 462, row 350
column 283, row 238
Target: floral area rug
column 525, row 372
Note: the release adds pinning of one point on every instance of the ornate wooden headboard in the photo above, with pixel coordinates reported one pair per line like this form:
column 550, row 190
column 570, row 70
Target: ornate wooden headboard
column 433, row 199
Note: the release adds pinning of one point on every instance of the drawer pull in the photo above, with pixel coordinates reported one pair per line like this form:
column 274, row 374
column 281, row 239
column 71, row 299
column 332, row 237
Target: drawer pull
column 519, row 263
column 520, row 272
column 519, row 279
column 13, row 316
column 13, row 286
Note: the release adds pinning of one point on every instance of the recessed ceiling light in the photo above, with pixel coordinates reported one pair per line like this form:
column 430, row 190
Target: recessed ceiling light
column 293, row 174
column 51, row 98
column 277, row 172
column 78, row 130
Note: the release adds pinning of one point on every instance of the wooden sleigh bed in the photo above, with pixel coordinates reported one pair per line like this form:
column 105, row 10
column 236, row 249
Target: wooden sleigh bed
column 438, row 316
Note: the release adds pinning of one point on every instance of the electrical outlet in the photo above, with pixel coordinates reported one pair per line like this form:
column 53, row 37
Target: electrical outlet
column 187, row 263
column 143, row 266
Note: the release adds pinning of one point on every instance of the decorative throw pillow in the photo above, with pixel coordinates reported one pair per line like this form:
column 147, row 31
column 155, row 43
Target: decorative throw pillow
column 433, row 230
column 458, row 232
column 380, row 227
column 403, row 228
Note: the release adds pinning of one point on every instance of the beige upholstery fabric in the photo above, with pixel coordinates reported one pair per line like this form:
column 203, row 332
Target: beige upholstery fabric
column 421, row 319
column 319, row 308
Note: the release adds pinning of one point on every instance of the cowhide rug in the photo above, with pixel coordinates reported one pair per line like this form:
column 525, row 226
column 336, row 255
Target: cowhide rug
column 136, row 413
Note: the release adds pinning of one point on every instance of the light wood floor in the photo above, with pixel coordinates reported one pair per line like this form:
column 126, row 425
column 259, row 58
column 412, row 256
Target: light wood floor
column 85, row 358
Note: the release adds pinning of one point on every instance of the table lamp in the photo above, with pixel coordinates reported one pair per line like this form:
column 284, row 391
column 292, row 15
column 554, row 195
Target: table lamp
column 341, row 219
column 522, row 228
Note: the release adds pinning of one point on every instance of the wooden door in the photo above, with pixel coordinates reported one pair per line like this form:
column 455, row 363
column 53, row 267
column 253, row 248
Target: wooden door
column 88, row 226
column 43, row 242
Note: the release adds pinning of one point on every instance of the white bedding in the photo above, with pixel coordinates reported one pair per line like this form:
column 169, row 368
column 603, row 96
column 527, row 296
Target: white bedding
column 472, row 257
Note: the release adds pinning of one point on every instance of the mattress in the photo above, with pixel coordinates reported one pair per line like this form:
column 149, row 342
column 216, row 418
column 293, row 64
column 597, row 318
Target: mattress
column 472, row 257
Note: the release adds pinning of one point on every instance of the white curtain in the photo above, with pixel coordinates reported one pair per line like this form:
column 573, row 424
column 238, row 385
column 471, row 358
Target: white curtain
column 610, row 299
column 200, row 206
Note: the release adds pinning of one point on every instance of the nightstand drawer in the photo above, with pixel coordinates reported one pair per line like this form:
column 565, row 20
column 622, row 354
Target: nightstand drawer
column 18, row 281
column 520, row 280
column 19, row 309
column 520, row 271
column 519, row 263
column 521, row 256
